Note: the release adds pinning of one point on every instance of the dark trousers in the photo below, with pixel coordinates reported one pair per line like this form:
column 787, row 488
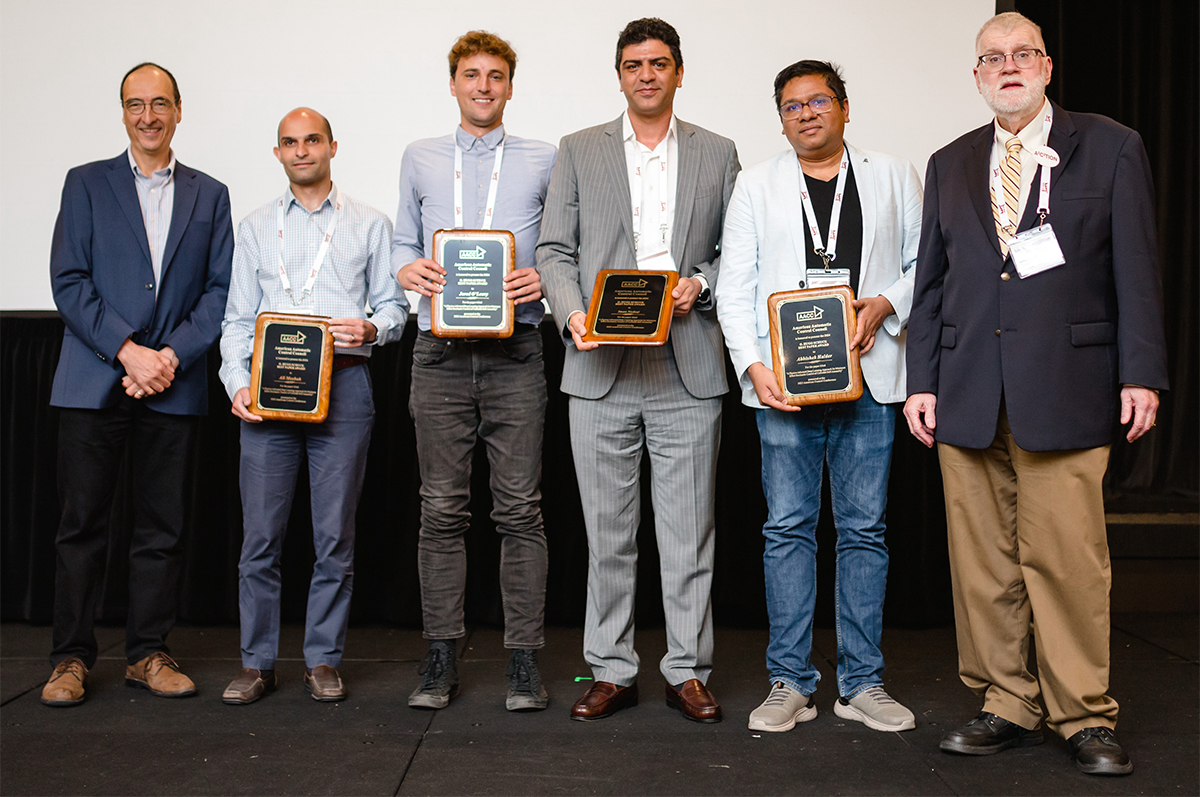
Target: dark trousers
column 464, row 391
column 91, row 445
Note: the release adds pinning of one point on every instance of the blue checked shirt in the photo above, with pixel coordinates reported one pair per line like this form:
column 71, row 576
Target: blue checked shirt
column 427, row 199
column 356, row 272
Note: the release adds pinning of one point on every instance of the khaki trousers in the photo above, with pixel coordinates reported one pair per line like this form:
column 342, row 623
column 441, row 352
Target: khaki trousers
column 1029, row 553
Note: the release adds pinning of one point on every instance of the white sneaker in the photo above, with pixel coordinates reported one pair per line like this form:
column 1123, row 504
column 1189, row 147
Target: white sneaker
column 782, row 709
column 876, row 709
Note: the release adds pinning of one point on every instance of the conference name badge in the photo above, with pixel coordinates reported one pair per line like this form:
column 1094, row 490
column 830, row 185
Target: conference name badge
column 1035, row 251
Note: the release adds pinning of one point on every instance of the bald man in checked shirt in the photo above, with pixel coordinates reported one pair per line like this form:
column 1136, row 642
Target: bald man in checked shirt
column 354, row 272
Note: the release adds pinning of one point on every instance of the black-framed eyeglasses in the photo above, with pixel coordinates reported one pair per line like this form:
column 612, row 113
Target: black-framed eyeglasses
column 159, row 105
column 1022, row 59
column 818, row 104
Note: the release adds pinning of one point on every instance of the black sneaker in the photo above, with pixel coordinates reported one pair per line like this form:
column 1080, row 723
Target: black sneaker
column 439, row 676
column 525, row 690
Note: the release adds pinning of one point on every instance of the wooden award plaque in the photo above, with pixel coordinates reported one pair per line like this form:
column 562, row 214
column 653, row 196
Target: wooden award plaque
column 631, row 307
column 811, row 332
column 292, row 367
column 473, row 303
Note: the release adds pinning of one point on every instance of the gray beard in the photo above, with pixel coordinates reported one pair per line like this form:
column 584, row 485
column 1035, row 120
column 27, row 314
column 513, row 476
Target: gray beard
column 1030, row 98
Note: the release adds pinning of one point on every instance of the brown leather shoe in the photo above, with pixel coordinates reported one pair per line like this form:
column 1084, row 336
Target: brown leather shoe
column 325, row 684
column 694, row 701
column 248, row 686
column 159, row 673
column 604, row 700
column 66, row 684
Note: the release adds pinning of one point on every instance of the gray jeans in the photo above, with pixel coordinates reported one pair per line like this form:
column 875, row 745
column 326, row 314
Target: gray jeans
column 493, row 390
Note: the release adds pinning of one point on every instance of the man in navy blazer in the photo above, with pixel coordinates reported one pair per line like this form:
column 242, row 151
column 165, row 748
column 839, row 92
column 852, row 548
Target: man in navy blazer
column 140, row 270
column 1021, row 362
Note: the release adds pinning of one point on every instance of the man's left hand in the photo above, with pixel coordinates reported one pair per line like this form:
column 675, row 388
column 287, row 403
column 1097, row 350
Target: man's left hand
column 870, row 313
column 1139, row 404
column 685, row 294
column 523, row 285
column 350, row 333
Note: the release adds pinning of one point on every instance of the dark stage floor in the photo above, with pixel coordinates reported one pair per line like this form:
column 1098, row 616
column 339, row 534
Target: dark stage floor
column 124, row 741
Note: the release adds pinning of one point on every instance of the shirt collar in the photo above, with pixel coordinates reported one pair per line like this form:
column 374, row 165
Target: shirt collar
column 1032, row 135
column 137, row 172
column 628, row 135
column 289, row 198
column 490, row 140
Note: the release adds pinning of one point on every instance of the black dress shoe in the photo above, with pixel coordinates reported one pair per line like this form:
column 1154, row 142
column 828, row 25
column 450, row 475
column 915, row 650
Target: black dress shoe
column 988, row 734
column 1097, row 752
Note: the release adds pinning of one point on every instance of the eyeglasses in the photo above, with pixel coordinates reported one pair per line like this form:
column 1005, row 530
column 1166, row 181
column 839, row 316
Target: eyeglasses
column 818, row 104
column 1022, row 59
column 159, row 105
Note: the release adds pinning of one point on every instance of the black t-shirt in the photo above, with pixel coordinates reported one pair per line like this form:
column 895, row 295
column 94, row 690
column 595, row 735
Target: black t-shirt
column 850, row 234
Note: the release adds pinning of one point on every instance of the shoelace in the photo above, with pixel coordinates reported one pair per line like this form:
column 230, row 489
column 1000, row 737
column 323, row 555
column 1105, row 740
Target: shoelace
column 433, row 668
column 779, row 695
column 158, row 661
column 521, row 673
column 1104, row 735
column 879, row 696
column 68, row 666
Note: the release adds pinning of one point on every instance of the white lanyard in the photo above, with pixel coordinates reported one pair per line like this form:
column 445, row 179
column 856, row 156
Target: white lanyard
column 636, row 189
column 1048, row 158
column 458, row 186
column 827, row 253
column 281, row 212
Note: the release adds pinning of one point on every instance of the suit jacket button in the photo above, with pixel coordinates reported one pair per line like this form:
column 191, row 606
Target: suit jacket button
column 1004, row 276
column 997, row 333
column 149, row 286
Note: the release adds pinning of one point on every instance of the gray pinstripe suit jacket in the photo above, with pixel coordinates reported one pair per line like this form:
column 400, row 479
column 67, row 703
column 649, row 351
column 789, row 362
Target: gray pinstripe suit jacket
column 587, row 226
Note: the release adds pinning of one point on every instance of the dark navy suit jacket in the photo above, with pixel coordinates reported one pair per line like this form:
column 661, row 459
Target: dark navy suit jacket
column 103, row 284
column 1059, row 344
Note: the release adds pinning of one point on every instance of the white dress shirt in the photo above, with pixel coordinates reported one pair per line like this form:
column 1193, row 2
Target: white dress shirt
column 1033, row 135
column 653, row 178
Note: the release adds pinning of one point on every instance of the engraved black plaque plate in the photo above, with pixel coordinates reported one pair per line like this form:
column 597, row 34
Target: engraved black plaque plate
column 810, row 345
column 473, row 303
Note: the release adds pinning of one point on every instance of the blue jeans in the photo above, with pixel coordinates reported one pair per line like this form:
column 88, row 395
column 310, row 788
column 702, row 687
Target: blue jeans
column 855, row 439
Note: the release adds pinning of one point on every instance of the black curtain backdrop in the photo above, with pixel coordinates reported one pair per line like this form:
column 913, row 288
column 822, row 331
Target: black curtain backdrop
column 1135, row 62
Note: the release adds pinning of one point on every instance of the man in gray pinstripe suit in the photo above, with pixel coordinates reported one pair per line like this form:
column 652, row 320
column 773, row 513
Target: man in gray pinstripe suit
column 649, row 191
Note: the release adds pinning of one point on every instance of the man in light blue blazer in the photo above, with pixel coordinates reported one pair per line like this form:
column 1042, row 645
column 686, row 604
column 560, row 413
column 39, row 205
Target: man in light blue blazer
column 665, row 400
column 139, row 267
column 866, row 208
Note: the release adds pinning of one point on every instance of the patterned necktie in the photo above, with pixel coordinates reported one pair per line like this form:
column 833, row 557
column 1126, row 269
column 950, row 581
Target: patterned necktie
column 1010, row 179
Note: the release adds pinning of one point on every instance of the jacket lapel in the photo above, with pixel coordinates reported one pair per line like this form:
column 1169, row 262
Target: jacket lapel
column 685, row 191
column 864, row 180
column 613, row 163
column 181, row 213
column 979, row 181
column 121, row 180
column 789, row 168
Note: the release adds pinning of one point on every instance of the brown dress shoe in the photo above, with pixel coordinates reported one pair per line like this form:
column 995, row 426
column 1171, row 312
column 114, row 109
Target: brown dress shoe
column 248, row 686
column 325, row 684
column 694, row 701
column 604, row 700
column 159, row 673
column 66, row 684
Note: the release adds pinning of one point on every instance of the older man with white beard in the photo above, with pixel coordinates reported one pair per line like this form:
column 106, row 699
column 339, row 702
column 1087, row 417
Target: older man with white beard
column 1036, row 325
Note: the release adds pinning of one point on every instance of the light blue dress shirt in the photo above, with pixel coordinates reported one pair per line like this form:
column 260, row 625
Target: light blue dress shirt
column 427, row 199
column 156, row 196
column 356, row 271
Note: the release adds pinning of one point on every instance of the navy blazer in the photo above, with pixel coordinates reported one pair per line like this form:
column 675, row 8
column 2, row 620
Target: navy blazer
column 103, row 284
column 1059, row 344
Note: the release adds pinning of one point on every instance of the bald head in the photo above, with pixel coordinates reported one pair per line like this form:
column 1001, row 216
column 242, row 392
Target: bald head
column 1006, row 23
column 304, row 115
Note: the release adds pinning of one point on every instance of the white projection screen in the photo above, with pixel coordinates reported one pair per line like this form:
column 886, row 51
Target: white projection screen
column 377, row 69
